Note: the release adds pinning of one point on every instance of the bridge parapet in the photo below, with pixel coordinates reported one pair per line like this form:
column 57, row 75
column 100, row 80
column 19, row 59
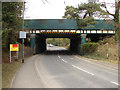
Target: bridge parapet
column 67, row 26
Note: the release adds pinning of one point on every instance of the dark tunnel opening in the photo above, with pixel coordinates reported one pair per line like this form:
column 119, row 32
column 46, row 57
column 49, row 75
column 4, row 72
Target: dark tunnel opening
column 63, row 43
column 57, row 43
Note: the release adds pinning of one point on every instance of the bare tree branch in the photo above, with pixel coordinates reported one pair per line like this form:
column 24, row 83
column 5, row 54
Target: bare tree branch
column 108, row 11
column 85, row 15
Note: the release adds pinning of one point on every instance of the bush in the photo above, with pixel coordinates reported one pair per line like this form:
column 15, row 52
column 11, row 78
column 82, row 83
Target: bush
column 88, row 48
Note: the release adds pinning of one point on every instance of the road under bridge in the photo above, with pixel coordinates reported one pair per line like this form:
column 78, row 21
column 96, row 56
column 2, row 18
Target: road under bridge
column 41, row 29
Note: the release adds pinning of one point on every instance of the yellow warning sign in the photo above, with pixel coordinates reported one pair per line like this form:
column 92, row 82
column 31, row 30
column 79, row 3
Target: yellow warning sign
column 14, row 47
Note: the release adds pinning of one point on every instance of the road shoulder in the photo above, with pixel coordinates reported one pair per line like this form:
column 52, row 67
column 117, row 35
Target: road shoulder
column 99, row 62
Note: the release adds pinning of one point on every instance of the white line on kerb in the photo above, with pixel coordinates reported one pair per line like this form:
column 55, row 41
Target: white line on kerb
column 82, row 70
column 115, row 83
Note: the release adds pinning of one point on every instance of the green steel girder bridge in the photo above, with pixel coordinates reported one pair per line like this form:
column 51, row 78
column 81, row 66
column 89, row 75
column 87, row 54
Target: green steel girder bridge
column 40, row 29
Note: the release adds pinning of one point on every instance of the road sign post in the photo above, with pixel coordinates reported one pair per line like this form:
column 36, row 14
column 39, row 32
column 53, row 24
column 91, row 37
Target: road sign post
column 23, row 38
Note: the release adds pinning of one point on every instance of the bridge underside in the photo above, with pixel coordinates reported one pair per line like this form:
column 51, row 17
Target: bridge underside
column 41, row 41
column 75, row 40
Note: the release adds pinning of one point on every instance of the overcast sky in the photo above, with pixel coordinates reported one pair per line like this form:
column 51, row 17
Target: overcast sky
column 53, row 9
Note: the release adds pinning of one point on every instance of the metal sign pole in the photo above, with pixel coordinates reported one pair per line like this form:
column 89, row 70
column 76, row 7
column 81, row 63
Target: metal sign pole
column 23, row 38
column 10, row 53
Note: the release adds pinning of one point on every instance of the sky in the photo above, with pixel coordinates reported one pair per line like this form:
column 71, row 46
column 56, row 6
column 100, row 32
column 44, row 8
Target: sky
column 53, row 9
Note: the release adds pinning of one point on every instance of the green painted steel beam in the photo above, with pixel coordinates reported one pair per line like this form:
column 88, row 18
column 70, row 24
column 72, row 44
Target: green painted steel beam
column 45, row 24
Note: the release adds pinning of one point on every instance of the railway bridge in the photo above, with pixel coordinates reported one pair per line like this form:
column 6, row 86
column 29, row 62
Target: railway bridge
column 41, row 29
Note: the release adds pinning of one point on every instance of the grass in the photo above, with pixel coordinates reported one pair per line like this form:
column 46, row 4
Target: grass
column 107, row 51
column 8, row 72
column 92, row 56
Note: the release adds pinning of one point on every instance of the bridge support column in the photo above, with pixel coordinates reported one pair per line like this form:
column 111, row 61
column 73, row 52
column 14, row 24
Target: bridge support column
column 83, row 38
column 75, row 44
column 40, row 44
column 32, row 42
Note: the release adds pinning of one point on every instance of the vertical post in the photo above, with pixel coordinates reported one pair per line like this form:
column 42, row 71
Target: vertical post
column 23, row 50
column 10, row 56
column 98, row 51
column 83, row 40
column 107, row 50
column 17, row 53
column 23, row 38
column 10, row 53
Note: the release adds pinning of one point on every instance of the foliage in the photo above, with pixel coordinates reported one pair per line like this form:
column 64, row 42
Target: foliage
column 58, row 41
column 105, row 49
column 89, row 47
column 86, row 12
column 5, row 38
column 11, row 22
column 115, row 16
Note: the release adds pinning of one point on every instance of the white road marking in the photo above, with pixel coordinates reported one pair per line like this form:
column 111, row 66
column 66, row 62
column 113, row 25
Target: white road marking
column 115, row 83
column 64, row 61
column 82, row 70
column 58, row 56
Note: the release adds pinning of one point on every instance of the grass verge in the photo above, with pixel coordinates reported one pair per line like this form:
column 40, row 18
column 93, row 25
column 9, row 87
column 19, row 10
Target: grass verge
column 8, row 72
column 101, row 58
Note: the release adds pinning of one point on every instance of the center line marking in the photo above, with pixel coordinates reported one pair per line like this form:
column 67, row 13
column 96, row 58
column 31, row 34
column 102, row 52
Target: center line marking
column 58, row 56
column 64, row 61
column 82, row 70
column 115, row 83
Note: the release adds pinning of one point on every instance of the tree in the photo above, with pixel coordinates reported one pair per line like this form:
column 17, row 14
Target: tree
column 11, row 22
column 85, row 14
column 88, row 11
column 115, row 16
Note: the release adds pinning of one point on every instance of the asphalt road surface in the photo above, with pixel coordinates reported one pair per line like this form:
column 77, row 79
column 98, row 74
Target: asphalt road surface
column 59, row 70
